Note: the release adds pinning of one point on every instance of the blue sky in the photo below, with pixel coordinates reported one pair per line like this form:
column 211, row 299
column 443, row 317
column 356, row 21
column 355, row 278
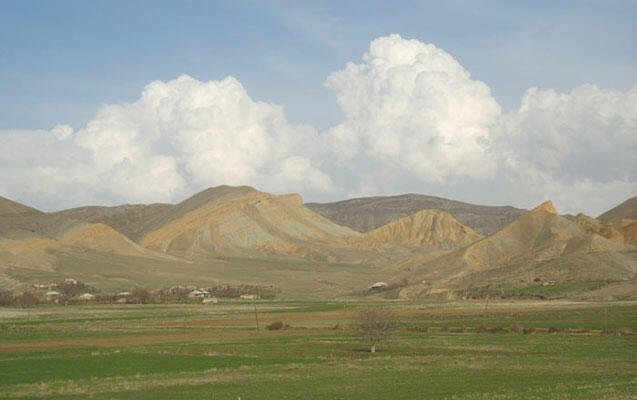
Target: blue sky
column 492, row 102
column 61, row 60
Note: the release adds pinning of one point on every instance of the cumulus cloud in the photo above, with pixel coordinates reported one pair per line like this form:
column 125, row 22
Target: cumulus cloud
column 588, row 134
column 179, row 137
column 414, row 121
column 411, row 107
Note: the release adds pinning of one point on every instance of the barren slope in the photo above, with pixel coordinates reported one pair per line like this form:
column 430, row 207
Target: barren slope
column 10, row 207
column 429, row 228
column 368, row 213
column 621, row 231
column 626, row 210
column 129, row 219
column 236, row 219
column 539, row 244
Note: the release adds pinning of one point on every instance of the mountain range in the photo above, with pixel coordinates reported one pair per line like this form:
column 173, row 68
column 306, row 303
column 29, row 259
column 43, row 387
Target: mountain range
column 422, row 246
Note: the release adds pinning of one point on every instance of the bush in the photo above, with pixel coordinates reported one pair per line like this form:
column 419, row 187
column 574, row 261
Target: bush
column 482, row 329
column 140, row 295
column 276, row 325
column 516, row 328
column 26, row 299
column 6, row 299
column 528, row 330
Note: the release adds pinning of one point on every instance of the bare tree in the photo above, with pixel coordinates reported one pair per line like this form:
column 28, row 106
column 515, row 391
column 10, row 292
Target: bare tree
column 376, row 325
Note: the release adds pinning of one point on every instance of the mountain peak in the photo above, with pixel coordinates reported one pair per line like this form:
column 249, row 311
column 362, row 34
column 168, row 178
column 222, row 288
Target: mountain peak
column 546, row 206
column 428, row 228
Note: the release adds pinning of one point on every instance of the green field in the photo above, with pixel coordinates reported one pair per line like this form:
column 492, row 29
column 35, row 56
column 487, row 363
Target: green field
column 216, row 352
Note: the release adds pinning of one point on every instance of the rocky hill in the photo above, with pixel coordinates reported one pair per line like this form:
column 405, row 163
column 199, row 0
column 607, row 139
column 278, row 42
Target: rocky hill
column 234, row 219
column 368, row 213
column 242, row 235
column 427, row 228
column 129, row 219
column 621, row 231
column 540, row 245
column 626, row 210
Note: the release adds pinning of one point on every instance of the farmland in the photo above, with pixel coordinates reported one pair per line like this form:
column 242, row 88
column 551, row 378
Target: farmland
column 442, row 350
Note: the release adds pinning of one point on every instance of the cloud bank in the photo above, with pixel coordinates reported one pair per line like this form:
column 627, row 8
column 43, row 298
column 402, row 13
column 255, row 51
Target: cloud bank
column 414, row 121
column 179, row 137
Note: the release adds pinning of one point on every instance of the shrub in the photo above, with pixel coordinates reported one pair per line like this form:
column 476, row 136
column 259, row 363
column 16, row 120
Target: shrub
column 528, row 330
column 6, row 299
column 26, row 299
column 482, row 329
column 276, row 325
column 140, row 295
column 516, row 328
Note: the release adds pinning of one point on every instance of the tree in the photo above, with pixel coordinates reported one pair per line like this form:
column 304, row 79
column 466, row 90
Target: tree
column 140, row 295
column 376, row 325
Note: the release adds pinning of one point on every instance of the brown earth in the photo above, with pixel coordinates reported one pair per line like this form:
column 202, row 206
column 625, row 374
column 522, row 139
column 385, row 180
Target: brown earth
column 239, row 235
column 626, row 210
column 539, row 244
column 427, row 228
column 368, row 213
column 621, row 231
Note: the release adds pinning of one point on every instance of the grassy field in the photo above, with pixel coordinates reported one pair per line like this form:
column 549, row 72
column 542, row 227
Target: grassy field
column 441, row 351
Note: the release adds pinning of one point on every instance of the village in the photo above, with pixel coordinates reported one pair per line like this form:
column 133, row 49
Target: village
column 72, row 291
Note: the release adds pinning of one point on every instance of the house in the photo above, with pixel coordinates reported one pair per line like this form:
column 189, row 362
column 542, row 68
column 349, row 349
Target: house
column 86, row 297
column 52, row 295
column 378, row 285
column 199, row 294
column 70, row 281
column 42, row 285
column 250, row 297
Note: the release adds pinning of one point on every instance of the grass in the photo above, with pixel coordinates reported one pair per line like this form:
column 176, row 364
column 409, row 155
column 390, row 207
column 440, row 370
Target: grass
column 215, row 352
column 537, row 290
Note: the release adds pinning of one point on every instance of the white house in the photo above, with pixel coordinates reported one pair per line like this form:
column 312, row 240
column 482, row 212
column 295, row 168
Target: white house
column 378, row 285
column 199, row 294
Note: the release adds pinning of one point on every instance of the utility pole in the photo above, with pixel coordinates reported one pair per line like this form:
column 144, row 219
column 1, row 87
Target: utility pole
column 484, row 318
column 256, row 316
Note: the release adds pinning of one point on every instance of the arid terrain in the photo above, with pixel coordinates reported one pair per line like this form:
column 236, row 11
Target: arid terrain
column 241, row 236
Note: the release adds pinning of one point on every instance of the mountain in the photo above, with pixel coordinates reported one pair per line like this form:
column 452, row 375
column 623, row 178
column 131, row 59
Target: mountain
column 368, row 213
column 129, row 219
column 234, row 219
column 626, row 210
column 30, row 238
column 539, row 245
column 239, row 235
column 428, row 228
column 12, row 208
column 18, row 221
column 621, row 231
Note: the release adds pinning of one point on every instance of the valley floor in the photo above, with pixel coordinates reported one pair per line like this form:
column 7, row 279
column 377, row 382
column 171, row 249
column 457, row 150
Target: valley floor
column 442, row 350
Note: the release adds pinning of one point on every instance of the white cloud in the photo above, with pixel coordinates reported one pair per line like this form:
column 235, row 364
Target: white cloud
column 414, row 121
column 412, row 108
column 179, row 137
column 588, row 134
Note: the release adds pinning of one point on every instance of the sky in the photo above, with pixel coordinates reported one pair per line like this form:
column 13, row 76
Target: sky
column 489, row 102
